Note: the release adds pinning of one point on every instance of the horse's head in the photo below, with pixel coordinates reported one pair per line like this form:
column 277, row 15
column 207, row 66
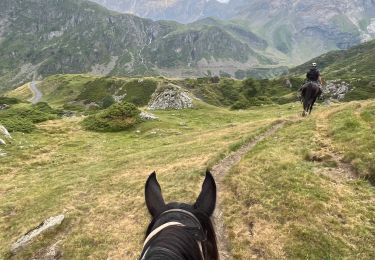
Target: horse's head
column 179, row 230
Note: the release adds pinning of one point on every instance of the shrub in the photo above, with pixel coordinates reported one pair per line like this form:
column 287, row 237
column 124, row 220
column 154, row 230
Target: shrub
column 14, row 124
column 117, row 117
column 9, row 101
column 241, row 104
column 108, row 101
column 22, row 119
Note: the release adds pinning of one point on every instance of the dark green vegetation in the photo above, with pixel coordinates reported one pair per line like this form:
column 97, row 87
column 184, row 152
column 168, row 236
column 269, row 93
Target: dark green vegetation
column 117, row 117
column 101, row 90
column 83, row 92
column 23, row 117
column 243, row 94
column 9, row 101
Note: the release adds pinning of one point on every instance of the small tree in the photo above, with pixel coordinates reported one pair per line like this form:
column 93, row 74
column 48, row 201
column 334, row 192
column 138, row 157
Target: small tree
column 117, row 117
column 251, row 87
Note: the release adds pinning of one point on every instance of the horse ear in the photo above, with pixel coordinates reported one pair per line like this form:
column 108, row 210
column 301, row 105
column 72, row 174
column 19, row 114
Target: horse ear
column 154, row 199
column 207, row 198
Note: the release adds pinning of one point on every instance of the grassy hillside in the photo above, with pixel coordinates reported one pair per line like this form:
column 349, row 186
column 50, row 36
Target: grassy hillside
column 356, row 62
column 280, row 202
column 297, row 196
column 80, row 92
column 355, row 65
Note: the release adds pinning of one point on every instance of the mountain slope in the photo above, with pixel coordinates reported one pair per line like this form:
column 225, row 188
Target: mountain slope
column 39, row 38
column 300, row 29
column 358, row 61
column 184, row 11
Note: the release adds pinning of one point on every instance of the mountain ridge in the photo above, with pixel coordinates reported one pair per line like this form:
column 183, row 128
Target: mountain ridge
column 299, row 29
column 65, row 36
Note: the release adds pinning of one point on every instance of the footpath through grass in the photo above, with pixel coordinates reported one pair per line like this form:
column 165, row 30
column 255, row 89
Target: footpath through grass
column 97, row 179
column 279, row 205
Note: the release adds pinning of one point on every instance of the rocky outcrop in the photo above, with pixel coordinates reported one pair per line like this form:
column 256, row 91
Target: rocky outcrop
column 336, row 89
column 170, row 96
column 43, row 227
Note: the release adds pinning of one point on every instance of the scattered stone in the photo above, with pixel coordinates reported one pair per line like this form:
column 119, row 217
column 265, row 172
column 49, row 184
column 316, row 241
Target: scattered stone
column 4, row 106
column 54, row 252
column 46, row 225
column 148, row 116
column 92, row 105
column 2, row 153
column 118, row 98
column 288, row 84
column 5, row 132
column 138, row 131
column 68, row 113
column 2, row 142
column 336, row 89
column 170, row 96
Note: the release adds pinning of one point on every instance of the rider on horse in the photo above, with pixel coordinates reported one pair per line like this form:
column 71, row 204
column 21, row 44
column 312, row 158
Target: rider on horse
column 313, row 75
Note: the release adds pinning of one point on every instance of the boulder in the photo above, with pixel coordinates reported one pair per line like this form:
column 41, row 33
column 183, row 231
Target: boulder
column 5, row 132
column 170, row 96
column 43, row 227
column 336, row 89
column 2, row 142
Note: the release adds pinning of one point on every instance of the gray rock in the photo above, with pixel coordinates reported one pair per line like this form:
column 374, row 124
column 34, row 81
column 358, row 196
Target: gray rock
column 2, row 153
column 4, row 106
column 46, row 225
column 2, row 142
column 68, row 113
column 5, row 132
column 336, row 90
column 148, row 116
column 170, row 96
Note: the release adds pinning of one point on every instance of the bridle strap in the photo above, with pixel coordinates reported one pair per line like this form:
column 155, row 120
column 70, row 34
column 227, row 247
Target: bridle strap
column 159, row 229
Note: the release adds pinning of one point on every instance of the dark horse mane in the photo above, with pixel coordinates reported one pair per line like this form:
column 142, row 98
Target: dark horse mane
column 178, row 239
column 179, row 230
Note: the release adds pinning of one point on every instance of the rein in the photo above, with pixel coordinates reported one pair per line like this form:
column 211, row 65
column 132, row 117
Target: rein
column 196, row 230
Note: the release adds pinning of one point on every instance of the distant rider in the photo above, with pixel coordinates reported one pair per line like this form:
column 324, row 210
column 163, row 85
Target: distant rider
column 313, row 75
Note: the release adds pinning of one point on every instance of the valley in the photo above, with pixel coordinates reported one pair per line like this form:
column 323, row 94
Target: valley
column 93, row 100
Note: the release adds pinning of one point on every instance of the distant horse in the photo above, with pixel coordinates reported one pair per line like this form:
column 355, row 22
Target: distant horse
column 309, row 93
column 177, row 230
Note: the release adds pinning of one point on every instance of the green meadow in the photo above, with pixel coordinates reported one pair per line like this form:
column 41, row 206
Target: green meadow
column 305, row 192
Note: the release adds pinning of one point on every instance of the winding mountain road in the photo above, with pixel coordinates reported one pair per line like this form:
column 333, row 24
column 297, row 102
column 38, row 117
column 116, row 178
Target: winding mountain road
column 37, row 94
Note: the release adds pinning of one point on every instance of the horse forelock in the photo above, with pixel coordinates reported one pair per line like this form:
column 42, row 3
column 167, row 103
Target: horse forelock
column 177, row 238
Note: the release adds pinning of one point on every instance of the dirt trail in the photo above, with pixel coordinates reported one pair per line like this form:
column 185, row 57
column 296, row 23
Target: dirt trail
column 219, row 171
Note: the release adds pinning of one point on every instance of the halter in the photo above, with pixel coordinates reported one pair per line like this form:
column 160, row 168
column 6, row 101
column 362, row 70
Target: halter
column 191, row 224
